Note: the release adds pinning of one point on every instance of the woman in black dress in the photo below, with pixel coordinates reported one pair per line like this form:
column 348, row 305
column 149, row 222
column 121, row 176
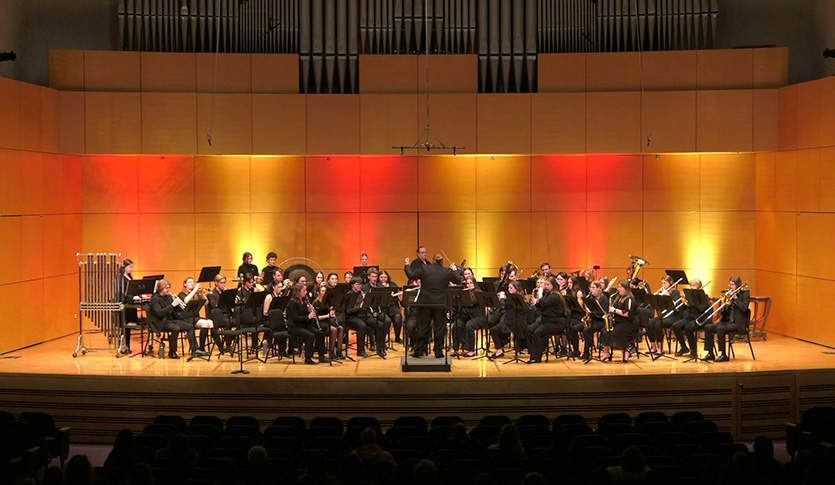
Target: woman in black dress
column 622, row 307
column 301, row 322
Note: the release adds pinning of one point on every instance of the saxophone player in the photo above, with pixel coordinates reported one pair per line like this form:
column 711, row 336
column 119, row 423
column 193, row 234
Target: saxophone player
column 623, row 307
column 596, row 321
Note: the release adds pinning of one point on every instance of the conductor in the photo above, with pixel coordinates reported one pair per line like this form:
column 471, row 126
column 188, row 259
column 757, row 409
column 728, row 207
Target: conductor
column 431, row 301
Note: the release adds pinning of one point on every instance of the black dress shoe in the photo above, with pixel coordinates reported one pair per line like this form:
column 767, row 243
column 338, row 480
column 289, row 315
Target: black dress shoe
column 199, row 353
column 722, row 358
column 709, row 356
column 309, row 361
column 362, row 354
column 173, row 355
column 415, row 355
column 682, row 351
column 439, row 355
column 585, row 356
column 323, row 359
column 381, row 353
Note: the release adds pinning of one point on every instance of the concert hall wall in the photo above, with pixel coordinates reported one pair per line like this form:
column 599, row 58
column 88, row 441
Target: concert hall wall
column 563, row 175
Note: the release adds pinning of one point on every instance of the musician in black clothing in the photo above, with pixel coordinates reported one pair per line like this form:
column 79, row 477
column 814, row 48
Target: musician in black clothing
column 301, row 322
column 161, row 318
column 420, row 261
column 657, row 324
column 623, row 307
column 246, row 266
column 373, row 275
column 642, row 312
column 596, row 322
column 328, row 323
column 273, row 319
column 687, row 325
column 193, row 291
column 268, row 272
column 575, row 323
column 515, row 320
column 434, row 280
column 471, row 318
column 735, row 318
column 552, row 307
column 220, row 315
column 393, row 310
column 360, row 320
column 127, row 315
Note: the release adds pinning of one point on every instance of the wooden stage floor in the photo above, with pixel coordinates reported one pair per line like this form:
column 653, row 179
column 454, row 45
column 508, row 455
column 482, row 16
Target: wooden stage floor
column 97, row 394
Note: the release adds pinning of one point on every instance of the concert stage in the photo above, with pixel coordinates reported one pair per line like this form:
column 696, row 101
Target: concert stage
column 96, row 394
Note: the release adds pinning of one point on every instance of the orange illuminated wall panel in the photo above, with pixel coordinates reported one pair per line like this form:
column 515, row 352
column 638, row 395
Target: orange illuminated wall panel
column 669, row 120
column 724, row 120
column 388, row 120
column 168, row 71
column 503, row 183
column 333, row 123
column 615, row 183
column 453, row 192
column 389, row 183
column 279, row 123
column 671, row 182
column 227, row 118
column 332, row 184
column 504, row 123
column 558, row 122
column 277, row 184
column 221, row 184
column 558, row 182
column 613, row 122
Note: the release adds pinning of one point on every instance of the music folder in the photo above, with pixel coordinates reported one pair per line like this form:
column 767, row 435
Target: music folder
column 155, row 277
column 362, row 271
column 677, row 274
column 227, row 298
column 696, row 298
column 208, row 273
column 594, row 306
column 456, row 296
column 279, row 302
column 140, row 287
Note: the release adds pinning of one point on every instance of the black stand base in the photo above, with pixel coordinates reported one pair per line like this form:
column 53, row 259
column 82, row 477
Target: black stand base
column 425, row 364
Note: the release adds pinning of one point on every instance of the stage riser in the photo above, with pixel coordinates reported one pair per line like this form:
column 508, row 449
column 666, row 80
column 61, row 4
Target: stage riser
column 744, row 404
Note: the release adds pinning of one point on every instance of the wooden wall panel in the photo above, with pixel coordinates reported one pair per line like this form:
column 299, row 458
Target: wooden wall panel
column 112, row 122
column 503, row 183
column 277, row 184
column 30, row 117
column 671, row 183
column 221, row 184
column 787, row 136
column 283, row 233
column 766, row 119
column 504, row 123
column 615, row 183
column 776, row 241
column 561, row 73
column 110, row 233
column 66, row 69
column 71, row 125
column 814, row 234
column 453, row 192
column 765, row 181
column 224, row 73
column 168, row 71
column 724, row 120
column 808, row 180
column 786, row 172
column 333, row 123
column 11, row 190
column 670, row 239
column 827, row 124
column 108, row 184
column 50, row 107
column 32, row 247
column 669, row 120
column 727, row 183
column 11, row 262
column 227, row 118
column 100, row 75
column 613, row 71
column 279, row 123
column 727, row 238
column 827, row 179
column 389, row 184
column 275, row 73
column 37, row 180
column 453, row 120
column 611, row 236
column 455, row 233
column 448, row 73
column 558, row 182
column 388, row 120
column 555, row 236
column 809, row 324
column 69, row 187
column 335, row 184
column 771, row 67
column 808, row 114
column 166, row 242
column 333, row 239
column 165, row 183
column 725, row 68
column 60, row 315
column 169, row 123
column 10, row 114
column 388, row 238
column 669, row 70
column 389, row 74
column 12, row 335
column 61, row 236
column 498, row 240
column 558, row 122
column 613, row 122
column 221, row 239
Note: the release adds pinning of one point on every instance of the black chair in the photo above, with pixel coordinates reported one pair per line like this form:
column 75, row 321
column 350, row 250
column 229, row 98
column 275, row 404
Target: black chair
column 494, row 420
column 396, row 433
column 797, row 435
column 247, row 431
column 610, row 418
column 653, row 429
column 710, row 439
column 416, row 421
column 178, row 422
column 611, row 430
column 568, row 419
column 485, row 434
column 444, row 421
column 241, row 443
column 291, row 445
column 526, row 432
column 279, row 453
column 402, row 455
column 167, row 430
column 445, row 455
column 664, row 441
column 440, row 433
column 729, row 449
column 695, row 428
column 282, row 431
column 56, row 440
column 243, row 421
column 363, row 422
column 336, row 444
column 318, row 431
column 207, row 421
column 6, row 417
column 215, row 434
column 563, row 434
column 292, row 421
column 682, row 417
column 533, row 419
column 623, row 441
column 330, row 421
column 743, row 337
column 423, row 443
column 649, row 417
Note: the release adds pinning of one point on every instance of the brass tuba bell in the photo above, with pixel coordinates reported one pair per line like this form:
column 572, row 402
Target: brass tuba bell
column 634, row 268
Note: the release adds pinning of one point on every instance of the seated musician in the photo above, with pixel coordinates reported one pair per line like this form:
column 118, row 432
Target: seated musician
column 623, row 307
column 360, row 320
column 246, row 267
column 319, row 278
column 552, row 306
column 162, row 318
column 657, row 324
column 596, row 321
column 273, row 319
column 470, row 318
column 534, row 312
column 686, row 326
column 332, row 280
column 193, row 291
column 393, row 310
column 575, row 323
column 515, row 320
column 645, row 311
column 735, row 318
column 301, row 323
column 328, row 323
column 220, row 315
column 268, row 272
column 348, row 276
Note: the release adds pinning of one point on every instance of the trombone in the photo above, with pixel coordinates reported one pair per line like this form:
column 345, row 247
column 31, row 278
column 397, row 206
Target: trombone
column 723, row 301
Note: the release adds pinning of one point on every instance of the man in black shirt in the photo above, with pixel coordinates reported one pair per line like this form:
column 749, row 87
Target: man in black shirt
column 431, row 302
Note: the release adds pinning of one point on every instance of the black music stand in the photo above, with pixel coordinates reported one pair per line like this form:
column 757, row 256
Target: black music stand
column 227, row 301
column 374, row 301
column 208, row 273
column 517, row 301
column 135, row 288
column 456, row 297
column 572, row 304
column 348, row 301
column 140, row 287
column 595, row 310
column 696, row 298
column 487, row 299
column 584, row 284
column 644, row 299
column 678, row 275
column 494, row 280
column 255, row 304
column 192, row 311
column 528, row 285
column 335, row 298
column 362, row 271
column 155, row 277
column 662, row 304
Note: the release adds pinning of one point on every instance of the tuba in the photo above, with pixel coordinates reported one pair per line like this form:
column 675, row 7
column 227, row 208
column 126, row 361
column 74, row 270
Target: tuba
column 634, row 268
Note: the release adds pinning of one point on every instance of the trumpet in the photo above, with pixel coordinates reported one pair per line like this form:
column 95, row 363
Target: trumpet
column 178, row 302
